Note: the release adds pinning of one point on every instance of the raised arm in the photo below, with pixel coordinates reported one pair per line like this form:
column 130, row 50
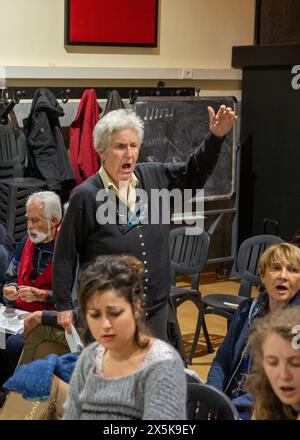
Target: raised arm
column 194, row 173
column 221, row 123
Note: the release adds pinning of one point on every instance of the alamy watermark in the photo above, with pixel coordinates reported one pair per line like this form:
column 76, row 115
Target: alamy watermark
column 295, row 83
column 296, row 338
column 161, row 207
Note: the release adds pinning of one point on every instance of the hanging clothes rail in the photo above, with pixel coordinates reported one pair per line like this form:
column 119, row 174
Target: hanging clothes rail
column 131, row 93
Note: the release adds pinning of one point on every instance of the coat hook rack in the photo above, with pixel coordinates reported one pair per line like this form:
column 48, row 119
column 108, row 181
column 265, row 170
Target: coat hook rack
column 131, row 93
column 7, row 103
column 65, row 95
column 133, row 96
column 4, row 95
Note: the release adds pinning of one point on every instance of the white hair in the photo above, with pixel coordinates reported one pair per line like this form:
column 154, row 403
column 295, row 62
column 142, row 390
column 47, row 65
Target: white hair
column 50, row 201
column 114, row 121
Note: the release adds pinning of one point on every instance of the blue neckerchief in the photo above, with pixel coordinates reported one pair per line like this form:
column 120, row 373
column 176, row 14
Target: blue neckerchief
column 133, row 220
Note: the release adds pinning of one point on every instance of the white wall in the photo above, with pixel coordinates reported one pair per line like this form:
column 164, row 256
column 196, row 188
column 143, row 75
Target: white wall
column 193, row 33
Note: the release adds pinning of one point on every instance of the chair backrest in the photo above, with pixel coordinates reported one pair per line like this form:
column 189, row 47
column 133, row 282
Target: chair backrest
column 204, row 402
column 248, row 259
column 13, row 152
column 188, row 252
column 192, row 376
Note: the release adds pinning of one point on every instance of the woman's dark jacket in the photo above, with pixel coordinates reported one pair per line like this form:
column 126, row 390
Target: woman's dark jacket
column 230, row 352
column 81, row 234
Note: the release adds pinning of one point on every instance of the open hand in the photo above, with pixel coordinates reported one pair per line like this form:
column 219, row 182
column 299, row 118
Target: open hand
column 10, row 292
column 221, row 123
column 30, row 294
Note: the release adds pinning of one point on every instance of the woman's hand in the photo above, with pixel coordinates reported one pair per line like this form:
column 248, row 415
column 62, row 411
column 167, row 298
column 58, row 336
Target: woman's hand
column 221, row 123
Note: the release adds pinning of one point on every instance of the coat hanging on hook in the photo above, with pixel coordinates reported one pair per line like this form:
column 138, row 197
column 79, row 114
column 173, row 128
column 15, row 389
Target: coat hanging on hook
column 114, row 102
column 47, row 151
column 84, row 159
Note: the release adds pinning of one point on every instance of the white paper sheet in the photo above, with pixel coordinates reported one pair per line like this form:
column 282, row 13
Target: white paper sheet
column 74, row 341
column 13, row 324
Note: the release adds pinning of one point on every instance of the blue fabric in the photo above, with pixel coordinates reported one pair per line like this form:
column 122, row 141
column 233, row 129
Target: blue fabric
column 14, row 347
column 7, row 241
column 4, row 262
column 65, row 366
column 230, row 351
column 237, row 385
column 244, row 405
column 34, row 380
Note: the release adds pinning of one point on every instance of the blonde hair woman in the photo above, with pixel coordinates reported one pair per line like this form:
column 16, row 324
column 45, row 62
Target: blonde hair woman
column 279, row 269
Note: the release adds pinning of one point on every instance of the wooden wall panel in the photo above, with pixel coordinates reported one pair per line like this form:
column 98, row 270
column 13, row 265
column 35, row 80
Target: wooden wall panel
column 277, row 21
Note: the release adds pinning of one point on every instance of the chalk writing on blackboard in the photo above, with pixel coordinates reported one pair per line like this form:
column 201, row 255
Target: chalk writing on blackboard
column 158, row 113
column 176, row 126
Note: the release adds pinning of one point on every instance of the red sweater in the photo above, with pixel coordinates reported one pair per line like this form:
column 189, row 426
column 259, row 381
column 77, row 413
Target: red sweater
column 43, row 281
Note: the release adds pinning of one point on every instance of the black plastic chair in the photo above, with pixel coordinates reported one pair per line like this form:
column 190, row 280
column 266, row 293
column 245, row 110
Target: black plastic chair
column 189, row 250
column 247, row 264
column 204, row 402
column 13, row 152
column 13, row 196
column 192, row 376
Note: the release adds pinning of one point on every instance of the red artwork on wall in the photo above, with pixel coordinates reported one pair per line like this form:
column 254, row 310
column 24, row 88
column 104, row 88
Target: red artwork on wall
column 112, row 22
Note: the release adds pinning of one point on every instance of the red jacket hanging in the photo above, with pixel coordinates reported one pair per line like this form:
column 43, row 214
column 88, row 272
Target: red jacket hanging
column 83, row 157
column 43, row 281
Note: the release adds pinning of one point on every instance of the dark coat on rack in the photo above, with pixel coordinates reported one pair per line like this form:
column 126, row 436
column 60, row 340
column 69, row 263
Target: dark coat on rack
column 84, row 159
column 48, row 156
column 114, row 102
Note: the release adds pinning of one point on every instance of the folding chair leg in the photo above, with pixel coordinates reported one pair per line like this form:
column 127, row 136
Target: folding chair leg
column 196, row 337
column 200, row 323
column 210, row 348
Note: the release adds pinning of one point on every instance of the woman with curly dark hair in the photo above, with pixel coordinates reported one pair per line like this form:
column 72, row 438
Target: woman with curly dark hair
column 126, row 374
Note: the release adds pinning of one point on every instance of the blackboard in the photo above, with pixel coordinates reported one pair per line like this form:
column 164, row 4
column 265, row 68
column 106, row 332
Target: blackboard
column 175, row 126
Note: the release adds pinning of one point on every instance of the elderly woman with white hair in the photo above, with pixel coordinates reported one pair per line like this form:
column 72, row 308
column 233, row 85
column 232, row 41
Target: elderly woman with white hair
column 105, row 215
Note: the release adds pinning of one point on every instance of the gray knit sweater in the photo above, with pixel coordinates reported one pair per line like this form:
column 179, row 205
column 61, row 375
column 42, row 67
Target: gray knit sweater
column 156, row 391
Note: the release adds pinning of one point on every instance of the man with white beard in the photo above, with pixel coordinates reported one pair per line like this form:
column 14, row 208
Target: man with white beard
column 29, row 276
